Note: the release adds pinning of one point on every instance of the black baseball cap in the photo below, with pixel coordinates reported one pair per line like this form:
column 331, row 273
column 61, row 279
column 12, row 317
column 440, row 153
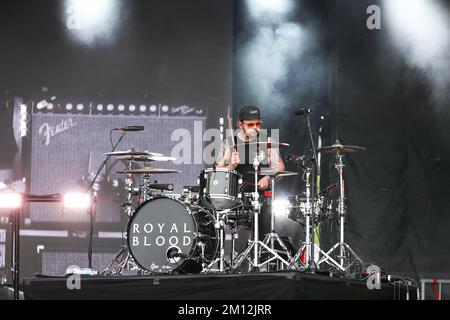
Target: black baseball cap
column 248, row 113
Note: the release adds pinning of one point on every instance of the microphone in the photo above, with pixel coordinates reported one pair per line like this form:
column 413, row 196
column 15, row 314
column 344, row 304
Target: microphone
column 302, row 112
column 130, row 128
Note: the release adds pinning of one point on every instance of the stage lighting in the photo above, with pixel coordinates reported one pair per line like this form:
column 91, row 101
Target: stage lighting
column 90, row 22
column 10, row 200
column 80, row 107
column 132, row 108
column 77, row 200
column 257, row 8
column 121, row 108
column 41, row 104
column 280, row 207
column 100, row 107
column 153, row 108
column 69, row 107
column 110, row 107
column 143, row 108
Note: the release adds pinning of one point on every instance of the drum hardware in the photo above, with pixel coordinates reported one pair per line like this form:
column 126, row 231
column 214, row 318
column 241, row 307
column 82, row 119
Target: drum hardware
column 123, row 260
column 93, row 192
column 347, row 256
column 308, row 246
column 256, row 245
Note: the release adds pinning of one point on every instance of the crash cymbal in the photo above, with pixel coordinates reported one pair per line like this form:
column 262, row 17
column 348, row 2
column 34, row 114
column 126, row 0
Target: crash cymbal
column 147, row 170
column 274, row 173
column 146, row 158
column 132, row 152
column 266, row 144
column 339, row 148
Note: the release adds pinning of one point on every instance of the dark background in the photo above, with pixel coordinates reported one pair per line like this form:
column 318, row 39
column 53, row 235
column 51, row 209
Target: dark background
column 362, row 88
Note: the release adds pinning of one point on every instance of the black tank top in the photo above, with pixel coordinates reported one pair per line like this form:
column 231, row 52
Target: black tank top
column 247, row 156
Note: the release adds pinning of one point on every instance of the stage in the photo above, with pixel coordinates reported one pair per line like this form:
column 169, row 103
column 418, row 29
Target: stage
column 255, row 286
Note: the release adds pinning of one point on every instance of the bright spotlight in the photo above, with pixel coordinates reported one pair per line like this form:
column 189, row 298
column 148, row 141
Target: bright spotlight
column 281, row 207
column 77, row 200
column 258, row 8
column 121, row 107
column 41, row 104
column 10, row 200
column 90, row 21
column 420, row 28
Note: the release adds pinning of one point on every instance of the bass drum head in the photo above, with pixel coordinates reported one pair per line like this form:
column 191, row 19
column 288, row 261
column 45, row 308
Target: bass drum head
column 164, row 236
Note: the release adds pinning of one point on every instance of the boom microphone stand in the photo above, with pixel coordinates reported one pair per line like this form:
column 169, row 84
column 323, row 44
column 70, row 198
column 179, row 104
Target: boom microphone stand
column 93, row 193
column 315, row 168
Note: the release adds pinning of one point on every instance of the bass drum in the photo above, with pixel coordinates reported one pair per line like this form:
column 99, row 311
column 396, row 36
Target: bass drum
column 166, row 235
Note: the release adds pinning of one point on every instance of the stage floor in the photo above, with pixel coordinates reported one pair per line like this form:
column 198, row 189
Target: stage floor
column 289, row 285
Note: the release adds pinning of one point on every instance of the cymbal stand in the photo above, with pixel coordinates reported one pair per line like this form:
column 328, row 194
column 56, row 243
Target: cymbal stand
column 308, row 245
column 347, row 257
column 256, row 243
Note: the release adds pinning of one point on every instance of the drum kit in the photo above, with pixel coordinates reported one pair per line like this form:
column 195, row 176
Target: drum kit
column 185, row 233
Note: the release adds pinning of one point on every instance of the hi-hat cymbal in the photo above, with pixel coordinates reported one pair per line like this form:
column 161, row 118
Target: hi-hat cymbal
column 266, row 144
column 274, row 173
column 147, row 170
column 146, row 158
column 132, row 153
column 339, row 148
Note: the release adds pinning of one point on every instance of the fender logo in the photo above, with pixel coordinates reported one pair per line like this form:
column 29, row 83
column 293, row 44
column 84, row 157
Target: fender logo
column 49, row 132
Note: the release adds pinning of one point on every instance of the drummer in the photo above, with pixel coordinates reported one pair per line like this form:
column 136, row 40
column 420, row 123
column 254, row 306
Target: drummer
column 241, row 159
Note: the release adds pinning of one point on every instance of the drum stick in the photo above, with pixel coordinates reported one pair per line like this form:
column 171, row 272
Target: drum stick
column 230, row 127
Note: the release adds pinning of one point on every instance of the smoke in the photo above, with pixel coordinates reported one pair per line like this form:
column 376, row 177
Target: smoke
column 267, row 60
column 421, row 31
column 281, row 61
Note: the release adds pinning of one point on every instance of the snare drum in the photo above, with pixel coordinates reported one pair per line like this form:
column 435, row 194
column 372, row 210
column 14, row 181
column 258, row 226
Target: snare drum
column 220, row 187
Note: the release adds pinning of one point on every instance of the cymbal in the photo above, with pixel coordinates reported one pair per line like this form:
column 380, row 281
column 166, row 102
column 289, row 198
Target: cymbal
column 147, row 170
column 266, row 144
column 339, row 148
column 145, row 158
column 132, row 152
column 274, row 173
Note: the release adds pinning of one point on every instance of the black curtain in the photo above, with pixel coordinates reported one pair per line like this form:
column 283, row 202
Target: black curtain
column 397, row 194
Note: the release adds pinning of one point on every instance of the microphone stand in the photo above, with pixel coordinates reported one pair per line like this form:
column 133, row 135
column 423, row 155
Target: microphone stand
column 315, row 168
column 93, row 207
